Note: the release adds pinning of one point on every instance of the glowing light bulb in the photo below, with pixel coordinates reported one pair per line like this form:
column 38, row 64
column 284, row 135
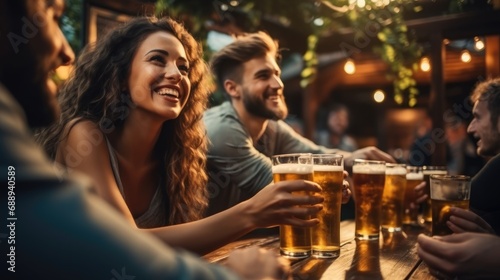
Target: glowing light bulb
column 465, row 56
column 318, row 22
column 378, row 96
column 349, row 67
column 425, row 64
column 361, row 3
column 478, row 44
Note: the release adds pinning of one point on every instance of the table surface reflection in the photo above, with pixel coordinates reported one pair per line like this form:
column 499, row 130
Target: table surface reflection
column 393, row 256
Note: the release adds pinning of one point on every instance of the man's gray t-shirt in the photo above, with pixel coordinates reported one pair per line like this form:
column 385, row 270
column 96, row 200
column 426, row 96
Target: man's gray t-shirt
column 237, row 167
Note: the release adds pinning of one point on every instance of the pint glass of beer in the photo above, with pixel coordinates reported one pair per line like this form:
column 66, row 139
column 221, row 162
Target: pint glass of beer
column 414, row 176
column 368, row 178
column 393, row 197
column 295, row 242
column 447, row 191
column 428, row 171
column 328, row 173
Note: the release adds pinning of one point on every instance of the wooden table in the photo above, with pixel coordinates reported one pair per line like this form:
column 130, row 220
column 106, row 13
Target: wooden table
column 394, row 256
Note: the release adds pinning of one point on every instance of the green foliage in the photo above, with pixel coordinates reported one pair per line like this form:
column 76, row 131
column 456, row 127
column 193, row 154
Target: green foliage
column 71, row 24
column 395, row 44
column 389, row 36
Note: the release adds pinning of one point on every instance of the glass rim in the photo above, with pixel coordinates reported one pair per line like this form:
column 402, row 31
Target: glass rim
column 368, row 161
column 390, row 164
column 327, row 155
column 414, row 168
column 443, row 177
column 434, row 167
column 291, row 155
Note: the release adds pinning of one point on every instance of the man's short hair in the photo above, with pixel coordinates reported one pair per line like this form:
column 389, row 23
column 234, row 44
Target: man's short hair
column 227, row 62
column 489, row 91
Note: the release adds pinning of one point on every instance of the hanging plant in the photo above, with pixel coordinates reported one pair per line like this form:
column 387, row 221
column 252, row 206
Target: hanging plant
column 394, row 43
column 382, row 21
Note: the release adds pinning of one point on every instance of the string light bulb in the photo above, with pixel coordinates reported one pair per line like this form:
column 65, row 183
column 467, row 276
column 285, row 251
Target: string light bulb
column 478, row 44
column 465, row 56
column 349, row 67
column 379, row 96
column 425, row 64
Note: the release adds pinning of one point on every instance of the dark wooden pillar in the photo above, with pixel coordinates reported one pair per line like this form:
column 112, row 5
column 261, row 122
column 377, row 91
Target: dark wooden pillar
column 492, row 49
column 437, row 100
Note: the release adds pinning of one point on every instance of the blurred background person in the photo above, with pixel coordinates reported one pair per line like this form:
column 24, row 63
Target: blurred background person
column 421, row 149
column 336, row 136
column 461, row 151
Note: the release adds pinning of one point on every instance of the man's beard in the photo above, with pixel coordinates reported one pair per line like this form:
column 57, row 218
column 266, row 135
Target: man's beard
column 257, row 107
column 29, row 87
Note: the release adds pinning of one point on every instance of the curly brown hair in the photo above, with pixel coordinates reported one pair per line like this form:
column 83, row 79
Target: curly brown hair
column 94, row 92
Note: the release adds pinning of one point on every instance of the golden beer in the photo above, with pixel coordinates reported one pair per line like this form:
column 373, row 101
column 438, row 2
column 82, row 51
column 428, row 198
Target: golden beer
column 428, row 171
column 393, row 197
column 410, row 216
column 294, row 241
column 326, row 235
column 368, row 182
column 441, row 214
column 447, row 191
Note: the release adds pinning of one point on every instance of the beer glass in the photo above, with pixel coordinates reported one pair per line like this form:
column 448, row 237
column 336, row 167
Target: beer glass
column 426, row 207
column 368, row 178
column 393, row 197
column 328, row 173
column 414, row 176
column 295, row 242
column 447, row 191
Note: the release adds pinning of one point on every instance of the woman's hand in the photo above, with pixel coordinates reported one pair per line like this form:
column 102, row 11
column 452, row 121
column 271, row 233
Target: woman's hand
column 285, row 202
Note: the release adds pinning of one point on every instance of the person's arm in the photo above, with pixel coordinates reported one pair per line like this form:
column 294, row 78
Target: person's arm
column 289, row 141
column 243, row 262
column 69, row 233
column 272, row 206
column 462, row 255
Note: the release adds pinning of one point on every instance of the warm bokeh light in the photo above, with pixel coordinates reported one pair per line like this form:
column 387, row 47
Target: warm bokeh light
column 63, row 71
column 378, row 96
column 466, row 57
column 349, row 67
column 319, row 22
column 425, row 64
column 478, row 44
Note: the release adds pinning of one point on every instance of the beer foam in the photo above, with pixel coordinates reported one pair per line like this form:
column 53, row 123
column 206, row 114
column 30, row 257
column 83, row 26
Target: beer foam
column 414, row 176
column 368, row 169
column 434, row 172
column 398, row 170
column 293, row 168
column 328, row 168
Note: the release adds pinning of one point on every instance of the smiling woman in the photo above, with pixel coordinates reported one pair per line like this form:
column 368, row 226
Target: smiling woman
column 131, row 120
